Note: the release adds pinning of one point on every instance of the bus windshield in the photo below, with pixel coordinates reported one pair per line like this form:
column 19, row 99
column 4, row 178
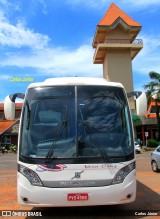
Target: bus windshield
column 76, row 123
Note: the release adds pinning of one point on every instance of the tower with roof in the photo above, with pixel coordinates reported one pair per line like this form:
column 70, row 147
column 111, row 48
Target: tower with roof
column 116, row 46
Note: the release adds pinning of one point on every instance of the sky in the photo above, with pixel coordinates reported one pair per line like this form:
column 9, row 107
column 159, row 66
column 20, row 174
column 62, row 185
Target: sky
column 41, row 39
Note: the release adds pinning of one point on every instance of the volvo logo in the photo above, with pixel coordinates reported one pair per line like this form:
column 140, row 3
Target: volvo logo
column 78, row 175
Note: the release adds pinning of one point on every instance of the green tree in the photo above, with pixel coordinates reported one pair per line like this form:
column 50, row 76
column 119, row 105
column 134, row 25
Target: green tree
column 153, row 91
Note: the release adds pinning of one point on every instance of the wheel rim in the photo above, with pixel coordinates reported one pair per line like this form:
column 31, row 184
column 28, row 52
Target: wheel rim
column 154, row 166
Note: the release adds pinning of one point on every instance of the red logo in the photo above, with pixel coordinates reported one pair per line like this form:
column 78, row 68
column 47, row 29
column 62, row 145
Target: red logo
column 51, row 167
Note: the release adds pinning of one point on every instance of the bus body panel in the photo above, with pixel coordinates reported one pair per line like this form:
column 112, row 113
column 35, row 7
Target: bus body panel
column 66, row 172
column 57, row 197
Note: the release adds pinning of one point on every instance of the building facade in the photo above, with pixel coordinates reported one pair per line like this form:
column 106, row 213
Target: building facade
column 9, row 129
column 145, row 126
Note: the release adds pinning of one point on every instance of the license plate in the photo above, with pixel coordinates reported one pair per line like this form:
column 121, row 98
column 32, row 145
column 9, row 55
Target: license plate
column 77, row 197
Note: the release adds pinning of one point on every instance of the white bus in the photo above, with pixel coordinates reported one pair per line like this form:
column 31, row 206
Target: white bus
column 76, row 145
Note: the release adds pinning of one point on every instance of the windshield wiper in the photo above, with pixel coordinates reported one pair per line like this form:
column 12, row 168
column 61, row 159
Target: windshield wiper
column 64, row 124
column 87, row 128
column 28, row 116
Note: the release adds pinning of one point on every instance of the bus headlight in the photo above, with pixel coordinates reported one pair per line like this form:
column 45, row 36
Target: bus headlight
column 122, row 173
column 30, row 175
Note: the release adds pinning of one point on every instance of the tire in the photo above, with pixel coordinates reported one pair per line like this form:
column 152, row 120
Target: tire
column 154, row 166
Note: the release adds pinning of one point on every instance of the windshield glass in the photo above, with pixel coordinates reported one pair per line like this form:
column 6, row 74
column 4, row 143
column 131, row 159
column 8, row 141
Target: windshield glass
column 76, row 122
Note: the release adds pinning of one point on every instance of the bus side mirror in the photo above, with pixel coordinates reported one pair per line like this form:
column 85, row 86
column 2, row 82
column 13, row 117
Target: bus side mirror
column 9, row 108
column 9, row 105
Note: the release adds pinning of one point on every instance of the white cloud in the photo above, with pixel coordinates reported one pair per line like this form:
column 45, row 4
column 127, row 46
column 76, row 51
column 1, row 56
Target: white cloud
column 3, row 1
column 2, row 16
column 46, row 59
column 59, row 61
column 44, row 6
column 19, row 36
column 4, row 77
column 149, row 58
column 62, row 61
column 15, row 34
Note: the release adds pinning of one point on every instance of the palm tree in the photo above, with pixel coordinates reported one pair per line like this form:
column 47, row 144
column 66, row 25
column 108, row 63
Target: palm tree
column 153, row 91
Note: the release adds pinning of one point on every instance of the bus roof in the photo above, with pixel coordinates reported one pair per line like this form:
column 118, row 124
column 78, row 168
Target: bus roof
column 75, row 81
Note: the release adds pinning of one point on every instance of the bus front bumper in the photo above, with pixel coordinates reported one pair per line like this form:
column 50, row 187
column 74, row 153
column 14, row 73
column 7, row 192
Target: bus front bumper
column 35, row 196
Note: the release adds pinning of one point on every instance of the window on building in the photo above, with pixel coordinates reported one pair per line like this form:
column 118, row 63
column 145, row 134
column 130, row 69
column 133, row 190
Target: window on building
column 6, row 139
column 153, row 109
column 1, row 115
column 18, row 114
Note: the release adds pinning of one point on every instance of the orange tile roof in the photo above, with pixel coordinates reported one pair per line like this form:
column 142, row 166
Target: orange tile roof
column 5, row 124
column 18, row 105
column 115, row 12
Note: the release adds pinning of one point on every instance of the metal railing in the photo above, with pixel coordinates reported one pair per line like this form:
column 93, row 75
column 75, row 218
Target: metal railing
column 120, row 41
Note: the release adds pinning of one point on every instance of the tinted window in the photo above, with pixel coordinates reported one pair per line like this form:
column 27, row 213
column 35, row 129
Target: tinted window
column 76, row 121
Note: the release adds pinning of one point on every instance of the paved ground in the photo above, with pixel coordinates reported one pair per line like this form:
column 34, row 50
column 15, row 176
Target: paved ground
column 148, row 194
